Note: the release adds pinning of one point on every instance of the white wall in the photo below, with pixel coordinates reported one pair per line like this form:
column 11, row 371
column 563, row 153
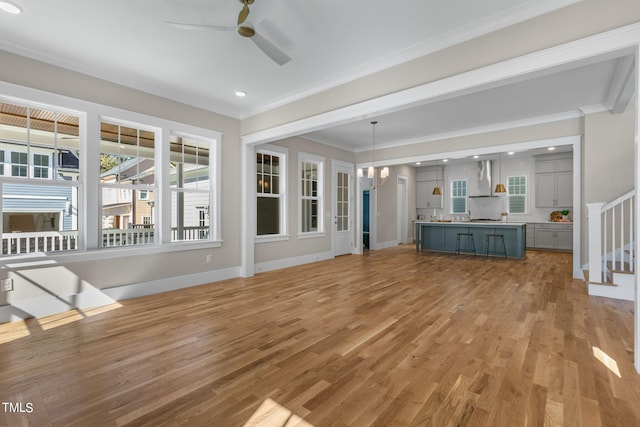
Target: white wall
column 270, row 255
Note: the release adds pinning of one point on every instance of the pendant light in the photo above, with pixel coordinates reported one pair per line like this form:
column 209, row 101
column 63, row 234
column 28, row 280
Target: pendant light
column 436, row 189
column 500, row 186
column 371, row 172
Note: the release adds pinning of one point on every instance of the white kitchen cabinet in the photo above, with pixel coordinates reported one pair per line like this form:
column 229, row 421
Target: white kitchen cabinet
column 545, row 239
column 554, row 165
column 553, row 236
column 424, row 197
column 554, row 183
column 564, row 240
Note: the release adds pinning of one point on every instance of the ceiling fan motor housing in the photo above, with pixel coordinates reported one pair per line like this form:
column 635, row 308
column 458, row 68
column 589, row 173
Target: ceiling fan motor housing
column 245, row 31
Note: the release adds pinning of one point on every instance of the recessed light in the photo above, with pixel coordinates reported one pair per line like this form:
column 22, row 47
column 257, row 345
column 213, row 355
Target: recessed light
column 551, row 148
column 10, row 7
column 511, row 153
column 241, row 93
column 445, row 160
column 418, row 163
column 476, row 157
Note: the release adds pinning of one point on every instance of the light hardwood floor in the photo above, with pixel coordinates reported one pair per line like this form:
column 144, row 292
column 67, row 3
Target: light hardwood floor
column 389, row 338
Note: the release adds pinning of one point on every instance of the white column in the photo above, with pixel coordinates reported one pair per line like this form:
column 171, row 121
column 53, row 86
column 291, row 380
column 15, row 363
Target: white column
column 594, row 231
column 358, row 213
column 90, row 224
column 248, row 210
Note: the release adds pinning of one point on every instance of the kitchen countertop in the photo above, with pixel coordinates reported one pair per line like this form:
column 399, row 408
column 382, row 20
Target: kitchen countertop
column 474, row 223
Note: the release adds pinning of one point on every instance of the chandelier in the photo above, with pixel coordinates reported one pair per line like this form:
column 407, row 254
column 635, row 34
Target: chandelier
column 371, row 172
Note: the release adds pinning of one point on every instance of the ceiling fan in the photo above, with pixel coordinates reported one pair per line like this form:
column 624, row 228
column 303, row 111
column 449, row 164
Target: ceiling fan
column 245, row 30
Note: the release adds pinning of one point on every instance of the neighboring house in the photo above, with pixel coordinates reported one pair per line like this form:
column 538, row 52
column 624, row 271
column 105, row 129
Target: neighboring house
column 130, row 208
column 124, row 208
column 37, row 208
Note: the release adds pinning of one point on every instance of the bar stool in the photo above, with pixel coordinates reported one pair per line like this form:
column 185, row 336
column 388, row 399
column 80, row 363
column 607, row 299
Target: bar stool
column 496, row 238
column 470, row 246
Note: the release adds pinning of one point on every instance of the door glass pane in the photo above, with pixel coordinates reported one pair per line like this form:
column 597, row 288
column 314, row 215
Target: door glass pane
column 342, row 193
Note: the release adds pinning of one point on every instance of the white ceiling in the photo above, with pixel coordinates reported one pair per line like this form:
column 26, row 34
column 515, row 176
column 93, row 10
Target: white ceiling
column 330, row 42
column 554, row 94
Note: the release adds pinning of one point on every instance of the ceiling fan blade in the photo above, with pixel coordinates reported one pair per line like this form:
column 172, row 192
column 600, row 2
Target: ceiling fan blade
column 243, row 14
column 199, row 27
column 278, row 56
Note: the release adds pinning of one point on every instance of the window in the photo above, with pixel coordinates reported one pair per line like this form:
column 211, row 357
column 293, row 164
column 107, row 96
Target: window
column 41, row 182
column 459, row 196
column 40, row 166
column 191, row 188
column 517, row 194
column 270, row 191
column 40, row 208
column 18, row 163
column 311, row 193
column 127, row 167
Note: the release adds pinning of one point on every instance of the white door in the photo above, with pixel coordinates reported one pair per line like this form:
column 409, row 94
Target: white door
column 342, row 209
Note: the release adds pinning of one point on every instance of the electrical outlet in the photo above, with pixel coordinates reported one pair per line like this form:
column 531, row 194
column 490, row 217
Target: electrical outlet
column 6, row 285
column 209, row 258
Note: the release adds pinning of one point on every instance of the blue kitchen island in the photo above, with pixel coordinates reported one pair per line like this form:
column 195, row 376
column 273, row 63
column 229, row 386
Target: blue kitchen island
column 442, row 237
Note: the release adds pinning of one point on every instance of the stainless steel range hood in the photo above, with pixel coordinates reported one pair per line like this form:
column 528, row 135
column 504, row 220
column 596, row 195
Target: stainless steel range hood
column 485, row 184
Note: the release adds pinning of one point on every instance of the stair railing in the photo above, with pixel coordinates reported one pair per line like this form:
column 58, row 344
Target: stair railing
column 611, row 231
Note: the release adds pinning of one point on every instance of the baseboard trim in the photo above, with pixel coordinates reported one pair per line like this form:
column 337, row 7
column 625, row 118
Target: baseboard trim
column 292, row 262
column 170, row 284
column 385, row 245
column 611, row 291
column 42, row 306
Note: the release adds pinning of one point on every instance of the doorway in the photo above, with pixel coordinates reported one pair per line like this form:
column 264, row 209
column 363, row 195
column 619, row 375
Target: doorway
column 342, row 232
column 365, row 219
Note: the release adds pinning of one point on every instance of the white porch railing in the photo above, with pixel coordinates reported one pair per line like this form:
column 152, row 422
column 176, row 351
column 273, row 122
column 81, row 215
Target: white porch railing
column 42, row 241
column 55, row 241
column 611, row 233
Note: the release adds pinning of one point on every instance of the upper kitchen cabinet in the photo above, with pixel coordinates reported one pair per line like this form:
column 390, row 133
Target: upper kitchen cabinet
column 426, row 180
column 554, row 181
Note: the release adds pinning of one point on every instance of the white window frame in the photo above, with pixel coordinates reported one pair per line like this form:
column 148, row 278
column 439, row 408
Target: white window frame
column 465, row 197
column 129, row 188
column 20, row 165
column 35, row 167
column 77, row 186
column 89, row 213
column 213, row 191
column 283, row 154
column 525, row 195
column 320, row 163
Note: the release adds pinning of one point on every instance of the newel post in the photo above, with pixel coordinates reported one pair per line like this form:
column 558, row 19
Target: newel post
column 594, row 232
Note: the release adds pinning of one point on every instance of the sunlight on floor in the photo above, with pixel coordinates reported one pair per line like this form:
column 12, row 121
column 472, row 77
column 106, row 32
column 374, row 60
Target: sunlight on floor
column 272, row 414
column 606, row 360
column 61, row 319
column 13, row 331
